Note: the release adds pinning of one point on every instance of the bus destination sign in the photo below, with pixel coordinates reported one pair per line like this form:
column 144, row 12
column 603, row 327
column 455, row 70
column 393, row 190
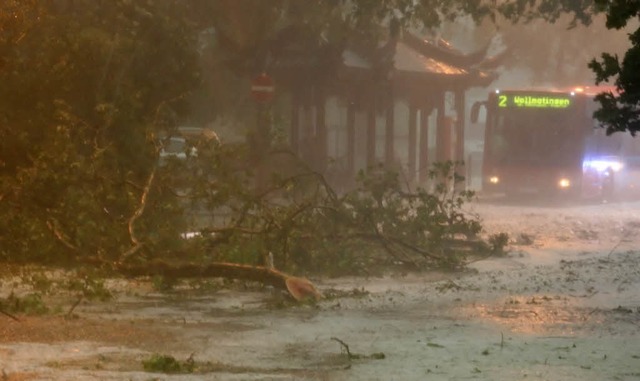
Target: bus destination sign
column 534, row 101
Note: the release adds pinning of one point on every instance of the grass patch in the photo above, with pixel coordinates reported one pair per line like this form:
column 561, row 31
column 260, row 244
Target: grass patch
column 29, row 304
column 168, row 364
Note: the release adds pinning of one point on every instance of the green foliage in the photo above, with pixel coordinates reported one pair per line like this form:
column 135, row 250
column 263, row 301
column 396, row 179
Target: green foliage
column 80, row 105
column 620, row 111
column 162, row 283
column 92, row 89
column 548, row 10
column 497, row 242
column 91, row 287
column 309, row 228
column 39, row 281
column 29, row 304
column 168, row 364
column 620, row 108
column 410, row 228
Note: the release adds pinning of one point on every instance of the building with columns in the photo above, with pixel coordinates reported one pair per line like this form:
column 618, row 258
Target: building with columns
column 400, row 104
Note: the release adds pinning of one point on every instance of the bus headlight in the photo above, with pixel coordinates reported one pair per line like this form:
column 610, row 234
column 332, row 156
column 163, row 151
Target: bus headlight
column 617, row 166
column 494, row 179
column 564, row 183
column 604, row 164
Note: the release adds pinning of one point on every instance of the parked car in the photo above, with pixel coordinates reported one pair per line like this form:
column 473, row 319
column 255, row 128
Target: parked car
column 177, row 145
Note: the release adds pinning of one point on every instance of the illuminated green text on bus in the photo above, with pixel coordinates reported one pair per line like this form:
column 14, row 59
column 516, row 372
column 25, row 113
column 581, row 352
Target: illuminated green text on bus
column 534, row 101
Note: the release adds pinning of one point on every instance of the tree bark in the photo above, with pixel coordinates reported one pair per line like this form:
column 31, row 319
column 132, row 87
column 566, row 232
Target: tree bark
column 299, row 288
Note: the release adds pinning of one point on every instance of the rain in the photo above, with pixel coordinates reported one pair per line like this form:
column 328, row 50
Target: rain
column 331, row 190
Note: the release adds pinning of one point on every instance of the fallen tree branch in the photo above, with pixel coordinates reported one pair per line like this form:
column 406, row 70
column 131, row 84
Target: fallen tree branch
column 299, row 288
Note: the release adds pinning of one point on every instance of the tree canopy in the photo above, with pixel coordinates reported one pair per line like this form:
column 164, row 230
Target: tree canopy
column 621, row 110
column 86, row 87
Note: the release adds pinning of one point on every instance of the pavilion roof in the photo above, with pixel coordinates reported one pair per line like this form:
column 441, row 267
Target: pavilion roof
column 418, row 58
column 296, row 56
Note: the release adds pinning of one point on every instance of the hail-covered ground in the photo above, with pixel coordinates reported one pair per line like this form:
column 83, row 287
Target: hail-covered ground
column 563, row 304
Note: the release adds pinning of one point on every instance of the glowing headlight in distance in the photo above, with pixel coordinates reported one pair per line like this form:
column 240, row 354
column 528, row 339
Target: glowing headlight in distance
column 564, row 183
column 616, row 166
column 494, row 179
column 602, row 165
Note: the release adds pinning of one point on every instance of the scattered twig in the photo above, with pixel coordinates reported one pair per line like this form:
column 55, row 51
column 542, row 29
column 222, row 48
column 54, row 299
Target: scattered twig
column 74, row 306
column 344, row 346
column 614, row 248
column 355, row 356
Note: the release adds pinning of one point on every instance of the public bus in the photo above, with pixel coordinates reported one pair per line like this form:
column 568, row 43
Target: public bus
column 547, row 143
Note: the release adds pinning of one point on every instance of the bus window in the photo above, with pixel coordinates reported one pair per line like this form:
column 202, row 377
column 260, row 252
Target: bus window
column 500, row 140
column 534, row 136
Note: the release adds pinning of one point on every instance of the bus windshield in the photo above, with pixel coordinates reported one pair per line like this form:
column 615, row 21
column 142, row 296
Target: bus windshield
column 538, row 137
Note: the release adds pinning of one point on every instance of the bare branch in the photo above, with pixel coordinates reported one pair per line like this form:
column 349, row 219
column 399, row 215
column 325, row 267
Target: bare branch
column 140, row 210
column 8, row 315
column 60, row 236
column 137, row 245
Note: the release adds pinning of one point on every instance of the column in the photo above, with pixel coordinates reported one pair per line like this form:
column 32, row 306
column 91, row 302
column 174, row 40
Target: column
column 459, row 128
column 423, row 149
column 389, row 135
column 411, row 163
column 321, row 131
column 351, row 139
column 294, row 134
